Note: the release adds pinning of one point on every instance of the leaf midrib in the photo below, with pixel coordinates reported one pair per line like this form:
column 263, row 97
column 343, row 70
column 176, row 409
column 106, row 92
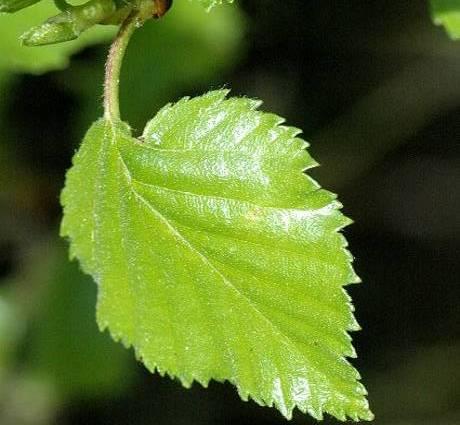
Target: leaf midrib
column 292, row 345
column 228, row 283
column 342, row 383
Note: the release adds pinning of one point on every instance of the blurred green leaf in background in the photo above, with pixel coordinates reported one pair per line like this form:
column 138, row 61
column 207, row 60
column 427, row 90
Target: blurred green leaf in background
column 447, row 13
column 17, row 58
column 51, row 305
column 11, row 329
column 65, row 344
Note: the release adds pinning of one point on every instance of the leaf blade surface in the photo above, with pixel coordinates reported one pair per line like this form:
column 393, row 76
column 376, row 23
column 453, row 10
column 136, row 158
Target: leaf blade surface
column 216, row 256
column 209, row 4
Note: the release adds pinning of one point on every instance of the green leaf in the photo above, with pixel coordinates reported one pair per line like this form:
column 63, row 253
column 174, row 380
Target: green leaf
column 11, row 330
column 209, row 4
column 447, row 13
column 17, row 58
column 216, row 257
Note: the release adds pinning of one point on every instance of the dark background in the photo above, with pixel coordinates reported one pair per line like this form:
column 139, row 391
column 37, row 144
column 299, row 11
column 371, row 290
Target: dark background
column 376, row 89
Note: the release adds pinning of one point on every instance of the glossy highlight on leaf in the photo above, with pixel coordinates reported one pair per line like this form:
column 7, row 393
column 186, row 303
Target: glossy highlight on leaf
column 209, row 4
column 216, row 256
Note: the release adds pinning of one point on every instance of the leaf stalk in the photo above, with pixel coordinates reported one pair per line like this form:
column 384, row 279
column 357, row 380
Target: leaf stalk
column 113, row 65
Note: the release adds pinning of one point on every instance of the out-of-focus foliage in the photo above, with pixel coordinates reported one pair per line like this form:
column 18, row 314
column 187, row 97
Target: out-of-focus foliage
column 73, row 20
column 429, row 395
column 11, row 329
column 3, row 137
column 217, row 30
column 66, row 347
column 447, row 13
column 17, row 58
column 49, row 341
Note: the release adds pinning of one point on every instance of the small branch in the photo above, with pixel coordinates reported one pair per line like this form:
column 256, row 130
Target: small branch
column 113, row 66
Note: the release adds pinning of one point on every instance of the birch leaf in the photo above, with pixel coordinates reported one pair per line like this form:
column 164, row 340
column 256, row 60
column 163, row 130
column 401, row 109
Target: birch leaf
column 216, row 256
